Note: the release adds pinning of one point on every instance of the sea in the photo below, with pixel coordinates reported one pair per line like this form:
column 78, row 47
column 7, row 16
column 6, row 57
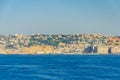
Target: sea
column 60, row 67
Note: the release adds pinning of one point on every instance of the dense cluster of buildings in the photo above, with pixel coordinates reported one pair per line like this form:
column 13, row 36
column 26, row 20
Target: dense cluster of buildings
column 61, row 43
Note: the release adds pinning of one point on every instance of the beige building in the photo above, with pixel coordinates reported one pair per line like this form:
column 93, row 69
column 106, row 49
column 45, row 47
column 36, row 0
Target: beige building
column 115, row 49
column 101, row 49
column 61, row 44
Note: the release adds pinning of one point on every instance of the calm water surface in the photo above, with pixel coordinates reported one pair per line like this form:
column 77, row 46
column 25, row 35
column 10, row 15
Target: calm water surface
column 59, row 67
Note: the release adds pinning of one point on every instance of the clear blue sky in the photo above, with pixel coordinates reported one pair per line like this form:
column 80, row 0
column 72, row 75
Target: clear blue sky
column 60, row 16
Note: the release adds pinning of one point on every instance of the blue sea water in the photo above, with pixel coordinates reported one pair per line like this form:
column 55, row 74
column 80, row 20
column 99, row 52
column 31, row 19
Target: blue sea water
column 59, row 67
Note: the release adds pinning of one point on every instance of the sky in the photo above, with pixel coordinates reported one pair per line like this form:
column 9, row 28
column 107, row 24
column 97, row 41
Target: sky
column 60, row 16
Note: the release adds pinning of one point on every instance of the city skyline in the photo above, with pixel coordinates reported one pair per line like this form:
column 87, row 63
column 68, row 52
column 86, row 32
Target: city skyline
column 59, row 16
column 57, row 44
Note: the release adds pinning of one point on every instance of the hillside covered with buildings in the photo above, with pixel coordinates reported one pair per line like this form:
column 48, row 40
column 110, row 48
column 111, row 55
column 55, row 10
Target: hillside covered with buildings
column 57, row 44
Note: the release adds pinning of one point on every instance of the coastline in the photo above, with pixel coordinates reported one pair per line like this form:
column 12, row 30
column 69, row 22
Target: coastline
column 60, row 54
